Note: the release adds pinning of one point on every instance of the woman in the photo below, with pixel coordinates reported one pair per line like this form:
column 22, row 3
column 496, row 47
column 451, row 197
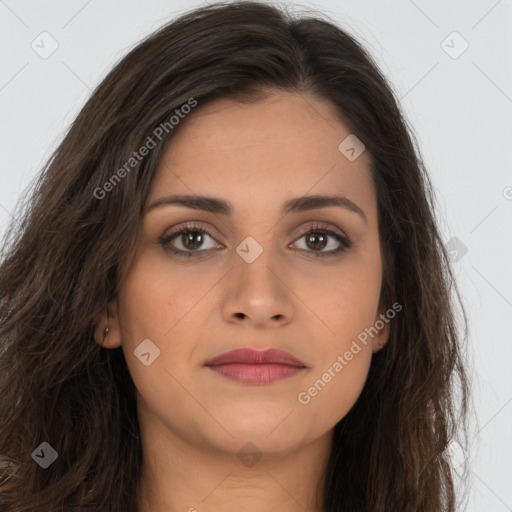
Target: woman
column 229, row 291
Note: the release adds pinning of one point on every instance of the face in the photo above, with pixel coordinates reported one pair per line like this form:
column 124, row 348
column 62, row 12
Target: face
column 254, row 277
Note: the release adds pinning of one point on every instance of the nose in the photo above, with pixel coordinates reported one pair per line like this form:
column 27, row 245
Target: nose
column 258, row 295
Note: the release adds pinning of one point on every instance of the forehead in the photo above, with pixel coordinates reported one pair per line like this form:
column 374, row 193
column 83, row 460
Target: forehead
column 257, row 154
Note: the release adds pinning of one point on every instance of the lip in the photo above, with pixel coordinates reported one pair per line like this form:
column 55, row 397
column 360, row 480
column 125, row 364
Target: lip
column 251, row 366
column 252, row 356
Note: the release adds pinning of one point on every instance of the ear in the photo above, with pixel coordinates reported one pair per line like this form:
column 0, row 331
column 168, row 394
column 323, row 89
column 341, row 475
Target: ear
column 382, row 323
column 107, row 332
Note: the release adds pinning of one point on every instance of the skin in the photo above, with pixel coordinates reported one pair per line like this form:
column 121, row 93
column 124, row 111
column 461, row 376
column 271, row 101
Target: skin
column 193, row 420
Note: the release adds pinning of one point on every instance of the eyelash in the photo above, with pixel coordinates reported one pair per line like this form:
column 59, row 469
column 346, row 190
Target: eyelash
column 164, row 240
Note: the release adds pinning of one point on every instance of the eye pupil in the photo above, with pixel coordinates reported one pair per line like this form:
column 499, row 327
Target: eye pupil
column 315, row 237
column 189, row 237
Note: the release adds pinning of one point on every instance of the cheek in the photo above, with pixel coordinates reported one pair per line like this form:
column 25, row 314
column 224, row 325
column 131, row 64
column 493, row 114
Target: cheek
column 346, row 308
column 333, row 389
column 160, row 306
column 343, row 300
column 156, row 296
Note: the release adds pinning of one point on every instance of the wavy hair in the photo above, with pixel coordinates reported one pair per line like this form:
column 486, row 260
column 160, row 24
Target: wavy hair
column 61, row 260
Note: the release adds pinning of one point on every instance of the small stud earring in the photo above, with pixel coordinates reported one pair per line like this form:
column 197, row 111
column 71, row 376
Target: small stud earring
column 105, row 333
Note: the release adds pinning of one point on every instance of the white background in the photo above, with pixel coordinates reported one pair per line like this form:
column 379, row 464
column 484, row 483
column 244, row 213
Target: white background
column 460, row 109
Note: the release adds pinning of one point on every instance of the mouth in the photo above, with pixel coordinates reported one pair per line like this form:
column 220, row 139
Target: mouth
column 251, row 366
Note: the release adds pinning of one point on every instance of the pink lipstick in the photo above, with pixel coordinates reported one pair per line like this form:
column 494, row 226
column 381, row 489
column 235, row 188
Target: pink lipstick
column 251, row 366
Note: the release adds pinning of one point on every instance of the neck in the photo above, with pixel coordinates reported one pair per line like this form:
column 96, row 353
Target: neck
column 180, row 476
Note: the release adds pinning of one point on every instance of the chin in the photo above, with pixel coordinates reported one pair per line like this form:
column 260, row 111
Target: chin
column 267, row 434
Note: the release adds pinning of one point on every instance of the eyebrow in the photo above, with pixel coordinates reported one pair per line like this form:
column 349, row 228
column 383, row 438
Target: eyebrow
column 220, row 206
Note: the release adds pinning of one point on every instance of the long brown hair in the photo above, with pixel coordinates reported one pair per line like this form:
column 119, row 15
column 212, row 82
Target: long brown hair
column 61, row 259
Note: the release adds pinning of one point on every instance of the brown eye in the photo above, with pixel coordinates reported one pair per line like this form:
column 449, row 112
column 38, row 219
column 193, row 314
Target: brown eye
column 192, row 239
column 187, row 241
column 317, row 239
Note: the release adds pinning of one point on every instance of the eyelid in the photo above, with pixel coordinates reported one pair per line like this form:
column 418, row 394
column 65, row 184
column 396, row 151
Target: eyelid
column 189, row 226
column 194, row 225
column 324, row 226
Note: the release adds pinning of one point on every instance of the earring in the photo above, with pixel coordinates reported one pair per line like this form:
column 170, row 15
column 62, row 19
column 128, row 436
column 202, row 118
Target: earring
column 105, row 333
